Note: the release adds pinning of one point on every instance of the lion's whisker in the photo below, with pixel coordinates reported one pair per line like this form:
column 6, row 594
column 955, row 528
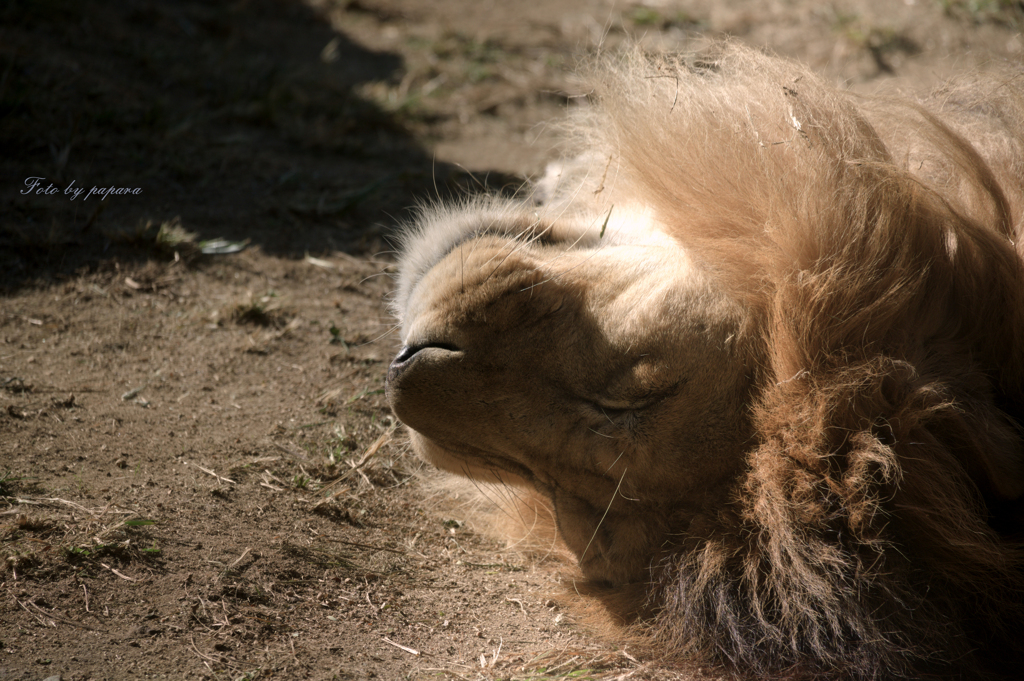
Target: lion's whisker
column 390, row 331
column 612, row 465
column 603, row 516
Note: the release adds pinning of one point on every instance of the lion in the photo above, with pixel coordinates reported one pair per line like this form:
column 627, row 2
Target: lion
column 760, row 346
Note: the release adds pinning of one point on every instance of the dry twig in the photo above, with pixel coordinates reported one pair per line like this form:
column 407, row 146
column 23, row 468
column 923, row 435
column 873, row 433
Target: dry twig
column 411, row 651
column 219, row 477
column 119, row 574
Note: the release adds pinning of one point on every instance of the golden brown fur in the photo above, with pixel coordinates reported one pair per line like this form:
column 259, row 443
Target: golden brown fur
column 811, row 461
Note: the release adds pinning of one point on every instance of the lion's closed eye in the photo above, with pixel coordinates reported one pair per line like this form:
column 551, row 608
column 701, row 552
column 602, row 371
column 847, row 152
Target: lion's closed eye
column 633, row 401
column 613, row 411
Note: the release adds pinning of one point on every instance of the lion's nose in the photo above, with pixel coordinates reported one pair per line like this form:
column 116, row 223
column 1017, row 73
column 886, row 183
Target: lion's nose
column 398, row 366
column 413, row 367
column 406, row 356
column 406, row 353
column 409, row 351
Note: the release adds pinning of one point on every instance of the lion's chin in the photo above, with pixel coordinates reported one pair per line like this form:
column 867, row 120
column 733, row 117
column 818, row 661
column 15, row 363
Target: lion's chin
column 479, row 470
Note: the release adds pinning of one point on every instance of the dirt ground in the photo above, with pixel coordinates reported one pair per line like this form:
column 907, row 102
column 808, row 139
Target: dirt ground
column 199, row 473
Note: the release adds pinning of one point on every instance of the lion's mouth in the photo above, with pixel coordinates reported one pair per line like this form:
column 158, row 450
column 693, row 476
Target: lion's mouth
column 416, row 388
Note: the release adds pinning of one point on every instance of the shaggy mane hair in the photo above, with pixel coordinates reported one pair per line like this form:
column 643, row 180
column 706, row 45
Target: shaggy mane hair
column 876, row 531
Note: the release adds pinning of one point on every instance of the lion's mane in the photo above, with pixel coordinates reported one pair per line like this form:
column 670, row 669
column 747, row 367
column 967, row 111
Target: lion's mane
column 875, row 531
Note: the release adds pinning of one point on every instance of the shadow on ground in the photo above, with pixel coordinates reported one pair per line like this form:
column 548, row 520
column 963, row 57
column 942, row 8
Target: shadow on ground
column 239, row 119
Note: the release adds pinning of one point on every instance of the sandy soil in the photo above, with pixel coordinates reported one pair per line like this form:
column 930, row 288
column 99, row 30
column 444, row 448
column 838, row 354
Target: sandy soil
column 199, row 474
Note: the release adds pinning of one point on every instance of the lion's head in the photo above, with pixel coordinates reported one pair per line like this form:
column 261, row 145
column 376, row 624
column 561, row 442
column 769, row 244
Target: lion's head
column 609, row 375
column 762, row 350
